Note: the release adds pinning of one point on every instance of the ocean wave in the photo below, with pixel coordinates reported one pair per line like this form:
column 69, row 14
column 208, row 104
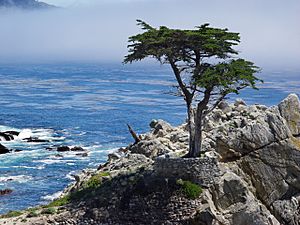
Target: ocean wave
column 52, row 197
column 53, row 161
column 6, row 128
column 70, row 175
column 29, row 167
column 34, row 133
column 18, row 178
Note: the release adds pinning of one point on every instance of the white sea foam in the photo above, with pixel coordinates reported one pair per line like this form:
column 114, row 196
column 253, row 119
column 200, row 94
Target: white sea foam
column 47, row 161
column 70, row 175
column 6, row 128
column 26, row 133
column 19, row 178
column 53, row 161
column 2, row 139
column 100, row 149
column 29, row 167
column 42, row 134
column 53, row 196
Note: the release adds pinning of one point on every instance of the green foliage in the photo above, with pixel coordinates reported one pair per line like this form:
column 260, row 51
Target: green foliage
column 60, row 202
column 104, row 174
column 191, row 48
column 49, row 211
column 32, row 213
column 12, row 214
column 94, row 182
column 165, row 43
column 203, row 64
column 228, row 77
column 189, row 189
column 87, row 189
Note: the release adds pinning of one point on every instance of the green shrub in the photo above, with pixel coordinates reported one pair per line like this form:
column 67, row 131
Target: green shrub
column 50, row 210
column 105, row 174
column 32, row 214
column 95, row 181
column 12, row 214
column 87, row 188
column 60, row 202
column 189, row 189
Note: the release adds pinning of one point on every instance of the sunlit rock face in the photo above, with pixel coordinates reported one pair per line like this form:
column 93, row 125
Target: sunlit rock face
column 259, row 150
column 24, row 4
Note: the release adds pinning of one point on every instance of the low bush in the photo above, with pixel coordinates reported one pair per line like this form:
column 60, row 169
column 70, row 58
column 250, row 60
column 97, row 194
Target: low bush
column 12, row 214
column 32, row 214
column 189, row 189
column 49, row 211
column 60, row 202
column 94, row 182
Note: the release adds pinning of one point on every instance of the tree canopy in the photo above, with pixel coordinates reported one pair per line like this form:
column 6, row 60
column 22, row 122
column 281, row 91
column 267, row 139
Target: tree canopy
column 203, row 63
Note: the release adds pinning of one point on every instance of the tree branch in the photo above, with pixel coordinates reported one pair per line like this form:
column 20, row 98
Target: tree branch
column 203, row 103
column 181, row 84
column 215, row 105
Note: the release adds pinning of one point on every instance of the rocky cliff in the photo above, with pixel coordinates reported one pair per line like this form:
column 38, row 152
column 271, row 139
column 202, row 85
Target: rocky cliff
column 248, row 174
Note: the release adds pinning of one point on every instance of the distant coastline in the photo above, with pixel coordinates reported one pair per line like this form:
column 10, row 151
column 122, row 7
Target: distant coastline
column 25, row 4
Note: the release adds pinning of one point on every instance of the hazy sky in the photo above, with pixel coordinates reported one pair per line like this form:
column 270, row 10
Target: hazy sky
column 95, row 30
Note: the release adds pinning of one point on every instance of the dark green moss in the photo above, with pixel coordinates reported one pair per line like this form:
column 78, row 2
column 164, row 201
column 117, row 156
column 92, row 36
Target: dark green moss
column 189, row 189
column 49, row 211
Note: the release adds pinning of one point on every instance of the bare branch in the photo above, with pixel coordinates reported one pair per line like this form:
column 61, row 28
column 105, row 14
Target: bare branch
column 182, row 85
column 136, row 138
column 215, row 104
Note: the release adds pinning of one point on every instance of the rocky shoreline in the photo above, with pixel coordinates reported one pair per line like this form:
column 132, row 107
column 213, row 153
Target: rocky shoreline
column 248, row 174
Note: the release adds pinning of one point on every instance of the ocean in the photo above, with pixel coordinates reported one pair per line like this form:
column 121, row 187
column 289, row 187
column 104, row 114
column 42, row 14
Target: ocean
column 89, row 105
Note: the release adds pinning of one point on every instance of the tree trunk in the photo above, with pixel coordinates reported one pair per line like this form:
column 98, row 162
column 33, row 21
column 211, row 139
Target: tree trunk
column 198, row 132
column 191, row 127
column 195, row 132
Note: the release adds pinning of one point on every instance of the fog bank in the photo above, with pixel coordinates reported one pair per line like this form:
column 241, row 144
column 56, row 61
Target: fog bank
column 98, row 31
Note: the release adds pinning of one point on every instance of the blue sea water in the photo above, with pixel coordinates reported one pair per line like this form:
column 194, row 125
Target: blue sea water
column 89, row 105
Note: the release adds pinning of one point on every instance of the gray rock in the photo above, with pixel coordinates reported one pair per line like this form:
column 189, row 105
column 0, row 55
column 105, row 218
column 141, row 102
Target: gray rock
column 274, row 170
column 160, row 127
column 290, row 110
column 238, row 204
column 243, row 137
column 239, row 101
column 224, row 106
column 150, row 148
column 288, row 210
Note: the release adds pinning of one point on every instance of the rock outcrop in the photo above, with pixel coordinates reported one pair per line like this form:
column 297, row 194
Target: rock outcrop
column 5, row 192
column 264, row 145
column 163, row 140
column 3, row 149
column 289, row 109
column 259, row 146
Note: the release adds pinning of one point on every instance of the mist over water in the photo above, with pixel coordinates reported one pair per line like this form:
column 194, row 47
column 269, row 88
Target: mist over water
column 97, row 31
